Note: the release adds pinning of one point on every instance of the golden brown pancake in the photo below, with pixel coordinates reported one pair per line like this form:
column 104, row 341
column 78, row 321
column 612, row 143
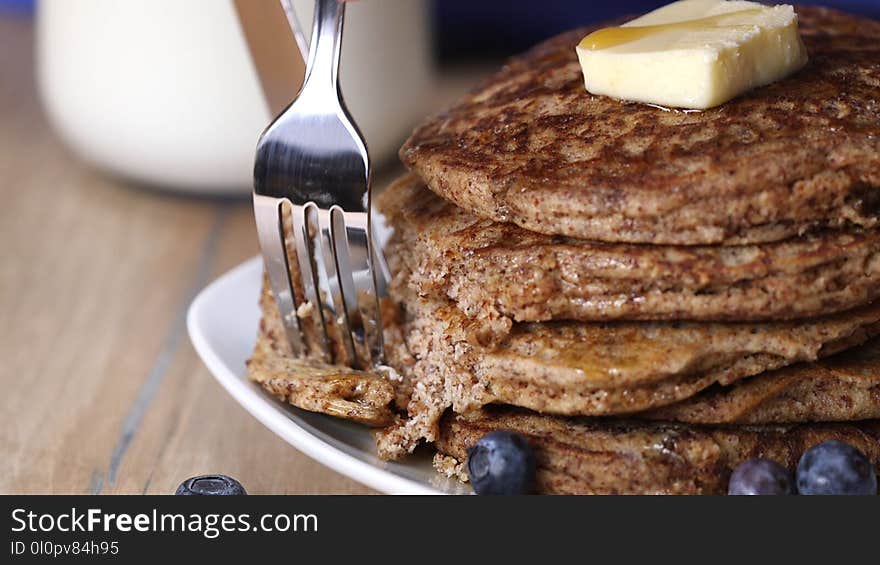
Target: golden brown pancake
column 790, row 171
column 531, row 146
column 500, row 273
column 843, row 387
column 601, row 456
column 360, row 396
column 584, row 368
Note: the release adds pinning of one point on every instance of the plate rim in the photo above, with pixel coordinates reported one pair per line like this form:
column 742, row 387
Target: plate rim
column 258, row 405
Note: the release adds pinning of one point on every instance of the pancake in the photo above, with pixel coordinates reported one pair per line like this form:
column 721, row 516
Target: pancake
column 580, row 368
column 843, row 388
column 361, row 396
column 500, row 273
column 531, row 146
column 595, row 456
column 840, row 388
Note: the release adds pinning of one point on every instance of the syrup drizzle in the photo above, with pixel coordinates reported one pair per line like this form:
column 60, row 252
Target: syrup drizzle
column 614, row 36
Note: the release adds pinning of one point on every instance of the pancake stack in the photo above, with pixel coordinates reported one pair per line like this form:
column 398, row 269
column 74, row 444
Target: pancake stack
column 650, row 296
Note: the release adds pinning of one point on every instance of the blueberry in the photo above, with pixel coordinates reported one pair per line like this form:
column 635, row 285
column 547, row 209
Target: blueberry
column 834, row 467
column 210, row 485
column 502, row 462
column 760, row 476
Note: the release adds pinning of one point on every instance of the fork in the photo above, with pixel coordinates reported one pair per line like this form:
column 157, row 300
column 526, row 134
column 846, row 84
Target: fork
column 312, row 162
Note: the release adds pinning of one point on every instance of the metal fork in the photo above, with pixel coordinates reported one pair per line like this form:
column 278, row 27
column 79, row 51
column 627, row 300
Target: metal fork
column 314, row 160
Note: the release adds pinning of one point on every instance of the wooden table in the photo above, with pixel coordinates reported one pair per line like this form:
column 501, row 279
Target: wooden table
column 101, row 390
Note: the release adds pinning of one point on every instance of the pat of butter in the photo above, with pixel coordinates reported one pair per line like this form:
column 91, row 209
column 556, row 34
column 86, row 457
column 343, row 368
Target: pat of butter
column 693, row 53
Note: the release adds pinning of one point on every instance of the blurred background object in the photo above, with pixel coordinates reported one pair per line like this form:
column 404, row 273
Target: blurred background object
column 165, row 92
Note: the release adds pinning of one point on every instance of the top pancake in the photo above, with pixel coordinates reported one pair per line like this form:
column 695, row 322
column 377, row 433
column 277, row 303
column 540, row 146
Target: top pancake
column 533, row 147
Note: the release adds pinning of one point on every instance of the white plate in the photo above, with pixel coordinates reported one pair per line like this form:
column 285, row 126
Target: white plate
column 222, row 323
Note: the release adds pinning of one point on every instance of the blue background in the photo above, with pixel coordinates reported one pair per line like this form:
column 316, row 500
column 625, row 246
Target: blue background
column 25, row 6
column 503, row 27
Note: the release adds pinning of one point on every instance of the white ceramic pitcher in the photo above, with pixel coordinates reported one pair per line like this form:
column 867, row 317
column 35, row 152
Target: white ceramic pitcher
column 165, row 91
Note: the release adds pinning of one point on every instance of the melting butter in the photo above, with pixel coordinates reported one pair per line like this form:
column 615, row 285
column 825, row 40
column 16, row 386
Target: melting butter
column 693, row 54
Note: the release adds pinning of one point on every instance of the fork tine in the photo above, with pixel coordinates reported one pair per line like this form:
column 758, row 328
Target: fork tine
column 358, row 290
column 365, row 290
column 296, row 28
column 336, row 278
column 379, row 277
column 304, row 238
column 270, row 231
column 369, row 330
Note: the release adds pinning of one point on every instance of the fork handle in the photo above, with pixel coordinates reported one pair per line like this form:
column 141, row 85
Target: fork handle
column 322, row 69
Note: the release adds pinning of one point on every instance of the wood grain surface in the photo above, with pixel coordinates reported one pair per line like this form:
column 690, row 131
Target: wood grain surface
column 101, row 389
